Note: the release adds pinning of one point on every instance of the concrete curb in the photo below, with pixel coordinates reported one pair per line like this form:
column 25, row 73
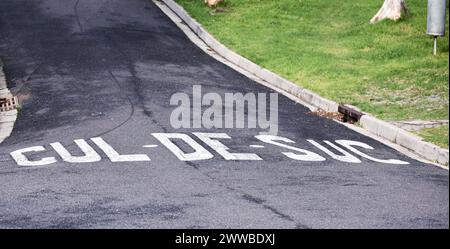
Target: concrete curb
column 375, row 126
column 405, row 139
column 417, row 125
column 8, row 118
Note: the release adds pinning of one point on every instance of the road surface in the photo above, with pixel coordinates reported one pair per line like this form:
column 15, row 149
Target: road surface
column 103, row 72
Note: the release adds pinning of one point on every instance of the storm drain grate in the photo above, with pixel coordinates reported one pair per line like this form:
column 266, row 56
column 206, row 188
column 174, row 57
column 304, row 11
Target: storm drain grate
column 8, row 104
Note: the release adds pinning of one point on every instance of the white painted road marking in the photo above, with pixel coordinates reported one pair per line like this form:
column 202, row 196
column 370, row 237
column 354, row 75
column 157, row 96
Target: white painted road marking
column 90, row 154
column 22, row 160
column 200, row 152
column 208, row 138
column 306, row 156
column 347, row 157
column 150, row 146
column 116, row 157
column 349, row 145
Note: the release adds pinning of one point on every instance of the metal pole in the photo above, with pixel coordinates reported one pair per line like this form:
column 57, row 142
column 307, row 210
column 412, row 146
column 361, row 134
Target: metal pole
column 435, row 46
column 436, row 20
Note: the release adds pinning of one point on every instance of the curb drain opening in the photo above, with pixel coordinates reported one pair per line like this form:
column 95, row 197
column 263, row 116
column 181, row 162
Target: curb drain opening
column 349, row 114
column 344, row 114
column 8, row 103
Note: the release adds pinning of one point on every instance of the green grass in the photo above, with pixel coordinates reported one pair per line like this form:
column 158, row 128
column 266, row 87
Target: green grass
column 438, row 135
column 329, row 47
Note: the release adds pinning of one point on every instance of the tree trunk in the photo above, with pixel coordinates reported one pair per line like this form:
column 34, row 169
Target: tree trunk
column 213, row 3
column 391, row 9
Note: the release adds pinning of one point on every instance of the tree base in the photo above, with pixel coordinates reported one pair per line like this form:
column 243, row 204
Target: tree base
column 213, row 3
column 391, row 9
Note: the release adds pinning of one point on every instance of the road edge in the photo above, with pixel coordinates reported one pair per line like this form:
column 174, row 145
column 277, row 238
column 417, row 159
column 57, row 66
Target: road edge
column 7, row 118
column 380, row 130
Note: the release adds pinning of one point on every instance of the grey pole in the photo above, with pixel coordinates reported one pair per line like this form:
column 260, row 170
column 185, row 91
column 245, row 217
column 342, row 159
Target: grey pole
column 436, row 20
column 435, row 46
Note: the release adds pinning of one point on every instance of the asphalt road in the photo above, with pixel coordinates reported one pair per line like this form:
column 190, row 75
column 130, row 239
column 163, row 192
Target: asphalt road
column 107, row 68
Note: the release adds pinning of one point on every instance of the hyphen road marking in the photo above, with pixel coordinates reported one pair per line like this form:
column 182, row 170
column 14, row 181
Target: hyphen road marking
column 344, row 150
column 150, row 146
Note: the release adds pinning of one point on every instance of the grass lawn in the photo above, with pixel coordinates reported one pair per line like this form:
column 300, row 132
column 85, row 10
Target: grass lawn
column 329, row 47
column 438, row 135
